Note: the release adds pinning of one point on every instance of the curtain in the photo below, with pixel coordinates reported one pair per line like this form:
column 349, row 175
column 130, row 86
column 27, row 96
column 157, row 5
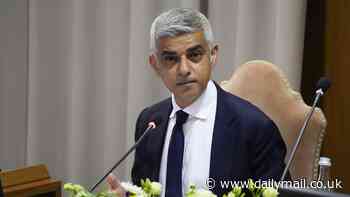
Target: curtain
column 272, row 30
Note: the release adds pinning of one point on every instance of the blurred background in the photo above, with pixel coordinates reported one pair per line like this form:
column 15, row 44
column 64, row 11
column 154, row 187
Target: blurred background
column 74, row 73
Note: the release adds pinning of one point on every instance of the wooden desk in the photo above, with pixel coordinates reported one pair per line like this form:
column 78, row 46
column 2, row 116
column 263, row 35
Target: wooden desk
column 30, row 181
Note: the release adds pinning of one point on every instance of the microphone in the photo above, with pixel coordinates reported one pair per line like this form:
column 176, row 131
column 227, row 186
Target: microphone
column 155, row 121
column 322, row 86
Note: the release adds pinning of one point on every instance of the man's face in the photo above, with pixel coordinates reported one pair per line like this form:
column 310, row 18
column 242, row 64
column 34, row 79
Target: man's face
column 183, row 63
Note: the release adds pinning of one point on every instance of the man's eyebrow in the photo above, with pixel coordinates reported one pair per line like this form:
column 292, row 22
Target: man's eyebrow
column 194, row 48
column 168, row 53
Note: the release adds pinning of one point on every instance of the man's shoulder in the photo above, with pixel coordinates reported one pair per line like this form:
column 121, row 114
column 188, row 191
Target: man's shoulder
column 161, row 108
column 165, row 103
column 250, row 118
column 241, row 107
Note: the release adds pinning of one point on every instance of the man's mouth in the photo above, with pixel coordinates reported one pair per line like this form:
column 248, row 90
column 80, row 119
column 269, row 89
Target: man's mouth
column 185, row 82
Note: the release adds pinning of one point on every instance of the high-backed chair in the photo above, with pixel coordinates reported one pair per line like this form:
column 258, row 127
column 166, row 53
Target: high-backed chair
column 264, row 85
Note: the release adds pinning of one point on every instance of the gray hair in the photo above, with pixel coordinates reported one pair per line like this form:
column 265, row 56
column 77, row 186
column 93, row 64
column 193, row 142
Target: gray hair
column 179, row 21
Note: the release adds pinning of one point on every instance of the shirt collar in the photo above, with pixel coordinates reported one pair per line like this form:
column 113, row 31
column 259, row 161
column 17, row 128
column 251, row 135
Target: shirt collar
column 200, row 108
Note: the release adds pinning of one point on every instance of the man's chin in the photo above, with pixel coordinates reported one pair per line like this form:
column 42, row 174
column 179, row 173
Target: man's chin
column 187, row 97
column 188, row 89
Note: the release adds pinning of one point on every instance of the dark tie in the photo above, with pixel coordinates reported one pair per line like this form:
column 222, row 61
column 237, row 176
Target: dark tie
column 175, row 157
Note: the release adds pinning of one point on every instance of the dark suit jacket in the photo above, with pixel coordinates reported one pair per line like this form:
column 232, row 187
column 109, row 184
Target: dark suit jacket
column 246, row 143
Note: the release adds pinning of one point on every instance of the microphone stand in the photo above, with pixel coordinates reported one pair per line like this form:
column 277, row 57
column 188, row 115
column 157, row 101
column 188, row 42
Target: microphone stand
column 150, row 126
column 319, row 93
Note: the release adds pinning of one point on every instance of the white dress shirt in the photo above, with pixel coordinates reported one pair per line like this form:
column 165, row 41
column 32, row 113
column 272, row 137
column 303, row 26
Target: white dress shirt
column 198, row 131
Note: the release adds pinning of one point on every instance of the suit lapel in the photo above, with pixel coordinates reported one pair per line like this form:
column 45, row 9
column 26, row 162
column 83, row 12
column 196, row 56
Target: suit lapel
column 220, row 167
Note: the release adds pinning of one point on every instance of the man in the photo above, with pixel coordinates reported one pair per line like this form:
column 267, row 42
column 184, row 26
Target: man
column 205, row 132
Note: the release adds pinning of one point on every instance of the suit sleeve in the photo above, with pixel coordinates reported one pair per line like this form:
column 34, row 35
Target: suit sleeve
column 269, row 153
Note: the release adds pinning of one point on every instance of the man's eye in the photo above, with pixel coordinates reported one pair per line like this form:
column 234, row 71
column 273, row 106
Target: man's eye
column 170, row 58
column 195, row 56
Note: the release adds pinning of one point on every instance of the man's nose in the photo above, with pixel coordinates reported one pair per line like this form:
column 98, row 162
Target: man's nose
column 184, row 67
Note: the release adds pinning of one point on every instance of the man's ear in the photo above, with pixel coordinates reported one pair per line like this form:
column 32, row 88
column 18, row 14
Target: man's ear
column 214, row 54
column 154, row 63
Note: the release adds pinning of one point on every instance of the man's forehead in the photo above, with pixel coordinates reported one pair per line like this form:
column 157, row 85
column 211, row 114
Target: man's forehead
column 182, row 42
